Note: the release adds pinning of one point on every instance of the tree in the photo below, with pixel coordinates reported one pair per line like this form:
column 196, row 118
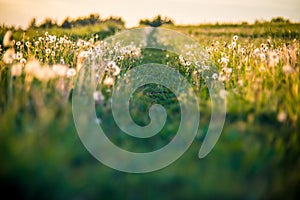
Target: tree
column 156, row 21
column 32, row 23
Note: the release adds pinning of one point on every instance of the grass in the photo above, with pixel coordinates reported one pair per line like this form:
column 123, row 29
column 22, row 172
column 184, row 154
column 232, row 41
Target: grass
column 256, row 157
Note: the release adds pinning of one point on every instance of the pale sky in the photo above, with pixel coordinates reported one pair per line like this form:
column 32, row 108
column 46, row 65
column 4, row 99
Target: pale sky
column 19, row 12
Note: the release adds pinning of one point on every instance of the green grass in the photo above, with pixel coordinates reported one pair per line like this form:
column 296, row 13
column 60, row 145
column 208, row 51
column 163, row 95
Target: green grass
column 256, row 157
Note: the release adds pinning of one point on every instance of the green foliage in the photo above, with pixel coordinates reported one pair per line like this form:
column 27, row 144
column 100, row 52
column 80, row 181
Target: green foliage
column 156, row 21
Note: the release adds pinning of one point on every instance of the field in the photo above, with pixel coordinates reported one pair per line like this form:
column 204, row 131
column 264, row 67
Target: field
column 257, row 154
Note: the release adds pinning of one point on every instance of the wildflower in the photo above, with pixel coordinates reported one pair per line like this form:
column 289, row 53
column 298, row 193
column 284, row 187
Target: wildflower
column 233, row 44
column 44, row 74
column 117, row 70
column 23, row 61
column 8, row 56
column 235, row 38
column 288, row 69
column 53, row 53
column 215, row 76
column 240, row 82
column 18, row 43
column 48, row 51
column 256, row 51
column 273, row 58
column 28, row 44
column 262, row 56
column 19, row 56
column 80, row 43
column 111, row 65
column 98, row 97
column 32, row 66
column 71, row 72
column 16, row 69
column 224, row 60
column 60, row 70
column 7, row 40
column 109, row 81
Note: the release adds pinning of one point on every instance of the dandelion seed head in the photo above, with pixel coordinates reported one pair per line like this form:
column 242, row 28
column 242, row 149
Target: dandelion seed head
column 16, row 69
column 235, row 38
column 71, row 72
column 109, row 81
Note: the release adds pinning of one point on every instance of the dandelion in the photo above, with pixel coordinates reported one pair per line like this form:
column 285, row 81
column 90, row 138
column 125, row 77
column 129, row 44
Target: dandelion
column 60, row 70
column 98, row 97
column 19, row 56
column 28, row 44
column 16, row 69
column 71, row 72
column 233, row 44
column 288, row 69
column 48, row 51
column 111, row 65
column 9, row 56
column 23, row 61
column 215, row 76
column 256, row 51
column 32, row 66
column 235, row 38
column 44, row 74
column 109, row 81
column 117, row 70
column 262, row 56
column 7, row 40
column 224, row 60
column 240, row 82
column 273, row 59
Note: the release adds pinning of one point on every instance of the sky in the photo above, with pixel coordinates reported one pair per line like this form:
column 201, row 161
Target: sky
column 19, row 12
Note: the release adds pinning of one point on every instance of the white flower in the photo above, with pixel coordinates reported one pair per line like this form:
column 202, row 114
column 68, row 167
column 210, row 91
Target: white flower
column 233, row 44
column 273, row 58
column 60, row 70
column 48, row 51
column 215, row 76
column 109, row 81
column 117, row 71
column 98, row 97
column 19, row 56
column 16, row 69
column 235, row 38
column 23, row 61
column 288, row 69
column 8, row 56
column 32, row 66
column 71, row 72
column 44, row 74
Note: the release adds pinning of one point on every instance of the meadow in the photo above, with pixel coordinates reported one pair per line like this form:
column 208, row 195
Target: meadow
column 256, row 157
